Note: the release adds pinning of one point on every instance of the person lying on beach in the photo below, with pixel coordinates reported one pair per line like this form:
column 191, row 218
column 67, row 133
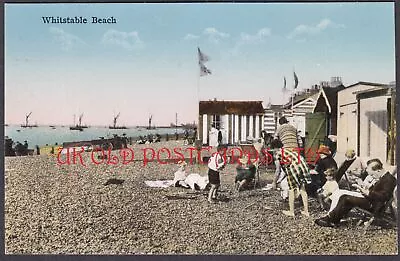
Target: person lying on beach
column 196, row 182
column 185, row 180
column 180, row 175
column 141, row 140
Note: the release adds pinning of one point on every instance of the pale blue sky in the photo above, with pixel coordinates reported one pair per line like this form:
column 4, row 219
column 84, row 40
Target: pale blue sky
column 146, row 63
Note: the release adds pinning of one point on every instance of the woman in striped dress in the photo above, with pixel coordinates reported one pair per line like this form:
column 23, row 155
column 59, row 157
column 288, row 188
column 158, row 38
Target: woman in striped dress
column 294, row 165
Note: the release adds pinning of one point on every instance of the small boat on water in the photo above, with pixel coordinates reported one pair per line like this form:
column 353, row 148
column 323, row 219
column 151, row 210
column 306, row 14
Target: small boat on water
column 78, row 126
column 115, row 127
column 150, row 127
column 26, row 125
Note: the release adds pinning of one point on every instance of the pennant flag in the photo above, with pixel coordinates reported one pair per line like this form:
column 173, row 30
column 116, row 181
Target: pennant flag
column 284, row 83
column 204, row 70
column 296, row 80
column 202, row 57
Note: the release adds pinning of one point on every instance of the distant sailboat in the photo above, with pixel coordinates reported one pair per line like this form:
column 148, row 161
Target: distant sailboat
column 26, row 125
column 150, row 127
column 79, row 126
column 115, row 124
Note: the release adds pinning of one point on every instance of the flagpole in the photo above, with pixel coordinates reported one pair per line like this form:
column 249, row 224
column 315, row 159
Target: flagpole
column 292, row 101
column 198, row 107
column 284, row 91
column 203, row 71
column 293, row 95
column 294, row 87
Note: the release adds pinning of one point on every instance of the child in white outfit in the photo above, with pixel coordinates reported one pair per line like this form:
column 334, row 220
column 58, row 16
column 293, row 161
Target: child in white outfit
column 330, row 187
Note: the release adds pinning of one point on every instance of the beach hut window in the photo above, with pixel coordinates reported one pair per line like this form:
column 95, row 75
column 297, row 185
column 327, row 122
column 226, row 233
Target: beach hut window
column 216, row 121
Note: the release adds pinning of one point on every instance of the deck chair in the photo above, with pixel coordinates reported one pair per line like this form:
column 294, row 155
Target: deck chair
column 249, row 149
column 381, row 215
column 342, row 172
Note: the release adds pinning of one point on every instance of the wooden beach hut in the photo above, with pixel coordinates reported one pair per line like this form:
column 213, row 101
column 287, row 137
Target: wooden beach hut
column 236, row 120
column 347, row 120
column 376, row 123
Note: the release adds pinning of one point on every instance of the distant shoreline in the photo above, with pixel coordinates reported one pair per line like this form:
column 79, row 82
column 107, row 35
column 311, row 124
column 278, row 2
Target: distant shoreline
column 52, row 137
column 93, row 126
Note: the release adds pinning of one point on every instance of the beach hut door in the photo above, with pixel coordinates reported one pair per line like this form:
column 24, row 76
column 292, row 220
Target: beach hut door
column 316, row 125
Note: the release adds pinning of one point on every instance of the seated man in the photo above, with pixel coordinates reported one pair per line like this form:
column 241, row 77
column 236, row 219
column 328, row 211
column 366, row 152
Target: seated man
column 356, row 168
column 372, row 176
column 372, row 199
column 245, row 173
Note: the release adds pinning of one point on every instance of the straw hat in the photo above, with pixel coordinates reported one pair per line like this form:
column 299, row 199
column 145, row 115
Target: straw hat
column 329, row 172
column 350, row 154
column 324, row 150
column 182, row 163
column 333, row 138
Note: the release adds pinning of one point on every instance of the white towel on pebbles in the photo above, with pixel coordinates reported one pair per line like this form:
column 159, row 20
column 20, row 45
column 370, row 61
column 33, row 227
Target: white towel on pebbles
column 159, row 183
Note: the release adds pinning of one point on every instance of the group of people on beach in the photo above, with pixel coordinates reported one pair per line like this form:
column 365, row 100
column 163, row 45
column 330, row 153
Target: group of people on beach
column 12, row 148
column 367, row 185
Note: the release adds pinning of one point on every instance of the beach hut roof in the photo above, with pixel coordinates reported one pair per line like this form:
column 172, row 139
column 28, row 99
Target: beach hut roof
column 367, row 83
column 231, row 107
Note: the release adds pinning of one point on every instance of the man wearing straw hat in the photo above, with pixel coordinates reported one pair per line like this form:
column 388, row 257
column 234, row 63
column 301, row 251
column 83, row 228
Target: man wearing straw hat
column 357, row 169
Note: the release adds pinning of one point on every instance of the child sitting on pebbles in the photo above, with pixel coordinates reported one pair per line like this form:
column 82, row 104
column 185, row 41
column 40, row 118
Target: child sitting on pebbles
column 180, row 175
column 245, row 173
column 330, row 187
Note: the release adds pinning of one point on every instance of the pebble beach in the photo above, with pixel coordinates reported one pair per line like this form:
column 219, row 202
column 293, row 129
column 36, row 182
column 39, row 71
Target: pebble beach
column 67, row 209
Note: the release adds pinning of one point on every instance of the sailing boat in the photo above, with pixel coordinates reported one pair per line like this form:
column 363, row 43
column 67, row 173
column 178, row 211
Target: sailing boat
column 26, row 122
column 79, row 126
column 115, row 123
column 150, row 127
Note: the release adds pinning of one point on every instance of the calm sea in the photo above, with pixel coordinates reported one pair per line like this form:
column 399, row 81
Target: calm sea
column 43, row 135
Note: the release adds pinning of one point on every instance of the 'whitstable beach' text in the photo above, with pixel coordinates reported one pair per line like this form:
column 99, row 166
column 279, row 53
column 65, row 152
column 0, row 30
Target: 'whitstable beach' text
column 78, row 20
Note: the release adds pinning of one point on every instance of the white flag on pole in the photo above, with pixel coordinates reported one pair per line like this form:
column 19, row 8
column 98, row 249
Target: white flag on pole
column 202, row 56
column 204, row 70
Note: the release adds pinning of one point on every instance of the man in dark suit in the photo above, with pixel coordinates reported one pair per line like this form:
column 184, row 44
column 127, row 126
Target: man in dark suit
column 372, row 199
